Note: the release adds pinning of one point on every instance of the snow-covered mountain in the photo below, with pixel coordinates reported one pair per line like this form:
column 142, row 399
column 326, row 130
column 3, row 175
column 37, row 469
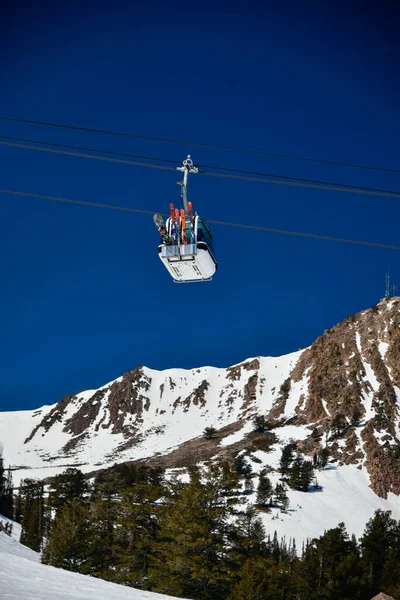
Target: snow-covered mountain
column 343, row 392
column 347, row 381
column 145, row 413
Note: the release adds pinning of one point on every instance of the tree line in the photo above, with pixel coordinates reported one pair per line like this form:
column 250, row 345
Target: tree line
column 199, row 539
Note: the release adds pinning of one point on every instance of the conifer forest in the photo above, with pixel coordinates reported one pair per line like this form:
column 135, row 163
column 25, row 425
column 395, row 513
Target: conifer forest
column 196, row 537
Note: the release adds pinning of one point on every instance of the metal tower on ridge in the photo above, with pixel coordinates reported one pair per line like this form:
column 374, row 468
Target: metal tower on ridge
column 387, row 286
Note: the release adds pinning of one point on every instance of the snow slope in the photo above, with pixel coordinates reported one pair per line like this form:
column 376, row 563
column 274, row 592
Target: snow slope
column 345, row 496
column 23, row 577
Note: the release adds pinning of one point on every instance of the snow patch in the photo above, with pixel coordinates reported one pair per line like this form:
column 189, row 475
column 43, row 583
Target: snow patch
column 23, row 576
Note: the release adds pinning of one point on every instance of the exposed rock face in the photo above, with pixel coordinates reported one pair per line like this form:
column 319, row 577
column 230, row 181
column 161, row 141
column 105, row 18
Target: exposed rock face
column 343, row 391
column 352, row 375
column 55, row 415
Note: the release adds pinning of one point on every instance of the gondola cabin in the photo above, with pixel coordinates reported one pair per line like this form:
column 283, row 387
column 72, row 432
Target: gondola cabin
column 193, row 261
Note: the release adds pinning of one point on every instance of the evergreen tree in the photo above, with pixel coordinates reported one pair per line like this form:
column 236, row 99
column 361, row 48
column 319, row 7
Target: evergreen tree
column 356, row 416
column 191, row 556
column 103, row 533
column 260, row 423
column 243, row 469
column 209, row 432
column 275, row 550
column 306, row 475
column 264, row 490
column 331, row 566
column 322, row 458
column 1, row 469
column 377, row 544
column 339, row 424
column 287, row 458
column 137, row 526
column 280, row 494
column 295, row 473
column 249, row 536
column 248, row 486
column 18, row 507
column 69, row 485
column 68, row 546
column 6, row 493
column 33, row 514
column 226, row 479
column 253, row 580
column 280, row 582
column 301, row 474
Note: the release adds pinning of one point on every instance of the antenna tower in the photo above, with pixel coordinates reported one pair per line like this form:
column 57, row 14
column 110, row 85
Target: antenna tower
column 387, row 286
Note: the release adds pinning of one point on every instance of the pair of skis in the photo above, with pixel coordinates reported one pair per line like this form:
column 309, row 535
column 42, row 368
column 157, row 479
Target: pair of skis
column 182, row 230
column 182, row 225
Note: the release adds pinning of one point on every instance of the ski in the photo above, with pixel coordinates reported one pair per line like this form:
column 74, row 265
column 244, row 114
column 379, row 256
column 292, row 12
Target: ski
column 183, row 225
column 177, row 226
column 174, row 233
column 192, row 235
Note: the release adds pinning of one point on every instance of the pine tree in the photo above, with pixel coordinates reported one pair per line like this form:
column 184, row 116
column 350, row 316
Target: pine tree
column 280, row 495
column 339, row 424
column 285, row 504
column 275, row 550
column 356, row 416
column 2, row 477
column 137, row 526
column 69, row 485
column 33, row 514
column 224, row 480
column 103, row 533
column 249, row 535
column 248, row 486
column 191, row 555
column 242, row 468
column 18, row 507
column 306, row 475
column 6, row 494
column 295, row 473
column 322, row 458
column 301, row 474
column 209, row 432
column 68, row 545
column 6, row 489
column 260, row 423
column 380, row 536
column 264, row 490
column 253, row 580
column 337, row 565
column 287, row 458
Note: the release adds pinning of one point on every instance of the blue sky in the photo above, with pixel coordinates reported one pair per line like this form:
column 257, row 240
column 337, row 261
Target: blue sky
column 84, row 295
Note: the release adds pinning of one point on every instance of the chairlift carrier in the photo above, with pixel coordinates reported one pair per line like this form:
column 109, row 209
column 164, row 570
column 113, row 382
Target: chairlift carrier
column 187, row 250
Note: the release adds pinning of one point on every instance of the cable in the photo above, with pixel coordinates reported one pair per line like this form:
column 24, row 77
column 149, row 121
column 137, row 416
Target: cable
column 8, row 137
column 198, row 145
column 106, row 158
column 317, row 185
column 224, row 223
column 81, row 202
column 240, row 171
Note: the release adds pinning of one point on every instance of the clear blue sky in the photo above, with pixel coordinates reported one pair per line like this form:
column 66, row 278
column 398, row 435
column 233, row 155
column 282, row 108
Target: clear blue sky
column 84, row 295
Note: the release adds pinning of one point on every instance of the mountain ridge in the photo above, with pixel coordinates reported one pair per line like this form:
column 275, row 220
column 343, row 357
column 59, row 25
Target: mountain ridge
column 343, row 391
